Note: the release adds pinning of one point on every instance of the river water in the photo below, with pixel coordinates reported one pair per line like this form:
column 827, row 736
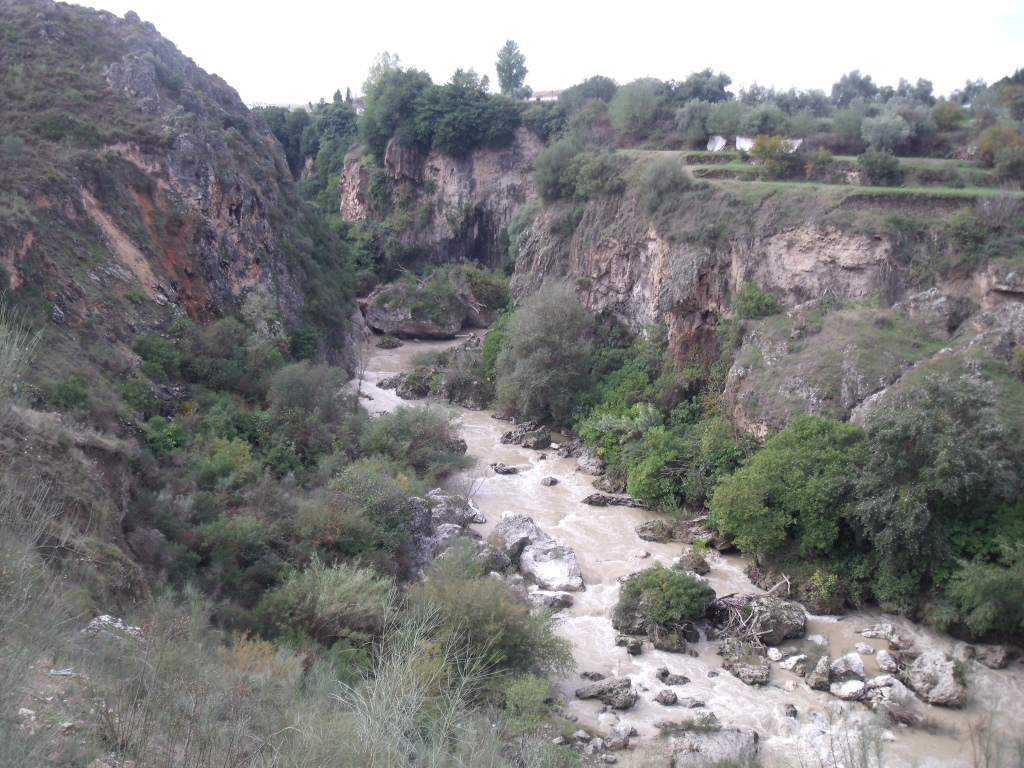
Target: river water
column 607, row 548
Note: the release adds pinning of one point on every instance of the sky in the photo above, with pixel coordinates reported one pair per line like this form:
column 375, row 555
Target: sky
column 301, row 50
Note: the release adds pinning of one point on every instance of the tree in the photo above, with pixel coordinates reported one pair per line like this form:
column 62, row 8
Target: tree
column 692, row 120
column 634, row 107
column 948, row 115
column 887, row 132
column 851, row 86
column 704, row 85
column 773, row 152
column 511, row 68
column 544, row 367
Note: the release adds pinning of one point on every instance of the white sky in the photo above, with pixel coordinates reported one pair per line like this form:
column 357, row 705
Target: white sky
column 299, row 51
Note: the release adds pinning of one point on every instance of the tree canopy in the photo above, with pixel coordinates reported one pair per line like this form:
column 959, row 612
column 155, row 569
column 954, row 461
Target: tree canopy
column 511, row 68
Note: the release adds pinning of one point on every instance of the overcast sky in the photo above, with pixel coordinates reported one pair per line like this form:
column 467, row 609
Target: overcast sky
column 299, row 51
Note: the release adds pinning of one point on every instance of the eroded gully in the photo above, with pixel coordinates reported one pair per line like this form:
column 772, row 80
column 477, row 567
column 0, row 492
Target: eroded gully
column 607, row 547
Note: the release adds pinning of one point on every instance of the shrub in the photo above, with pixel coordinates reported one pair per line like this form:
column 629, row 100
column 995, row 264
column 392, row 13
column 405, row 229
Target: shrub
column 772, row 151
column 544, row 366
column 71, row 392
column 888, row 133
column 365, row 508
column 1009, row 163
column 550, row 169
column 330, row 604
column 880, row 169
column 306, row 407
column 988, row 595
column 165, row 436
column 995, row 138
column 752, row 302
column 665, row 596
column 661, row 181
column 425, row 438
column 526, row 698
column 634, row 107
column 948, row 115
column 593, row 174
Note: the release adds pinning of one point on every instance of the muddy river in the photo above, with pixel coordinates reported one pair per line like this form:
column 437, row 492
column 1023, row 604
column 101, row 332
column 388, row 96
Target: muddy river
column 607, row 548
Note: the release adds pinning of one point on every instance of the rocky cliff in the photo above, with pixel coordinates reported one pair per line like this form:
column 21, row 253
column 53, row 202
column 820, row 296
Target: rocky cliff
column 140, row 176
column 449, row 208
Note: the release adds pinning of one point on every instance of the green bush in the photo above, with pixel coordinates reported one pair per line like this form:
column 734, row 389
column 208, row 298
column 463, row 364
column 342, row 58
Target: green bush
column 773, row 153
column 165, row 436
column 988, row 595
column 634, row 107
column 662, row 180
column 526, row 698
column 425, row 438
column 550, row 170
column 752, row 303
column 330, row 604
column 665, row 596
column 593, row 174
column 880, row 169
column 71, row 392
column 1010, row 163
column 544, row 366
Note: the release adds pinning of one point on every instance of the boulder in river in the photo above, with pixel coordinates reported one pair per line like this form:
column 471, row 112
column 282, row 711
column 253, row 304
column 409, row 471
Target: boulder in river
column 886, row 662
column 556, row 601
column 503, row 469
column 778, row 619
column 691, row 561
column 604, row 500
column 851, row 690
column 514, row 531
column 938, row 679
column 670, row 678
column 992, row 656
column 529, row 434
column 590, row 463
column 848, row 667
column 744, row 660
column 549, row 481
column 616, row 692
column 818, row 678
column 618, row 737
column 633, row 645
column 655, row 530
column 551, row 565
column 666, row 697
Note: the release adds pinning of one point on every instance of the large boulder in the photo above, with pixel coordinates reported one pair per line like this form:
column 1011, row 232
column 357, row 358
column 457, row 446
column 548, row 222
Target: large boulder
column 616, row 692
column 590, row 463
column 388, row 310
column 454, row 509
column 725, row 746
column 745, row 661
column 529, row 434
column 851, row 690
column 992, row 656
column 655, row 530
column 937, row 678
column 690, row 561
column 849, row 667
column 779, row 619
column 551, row 565
column 818, row 678
column 543, row 598
column 514, row 531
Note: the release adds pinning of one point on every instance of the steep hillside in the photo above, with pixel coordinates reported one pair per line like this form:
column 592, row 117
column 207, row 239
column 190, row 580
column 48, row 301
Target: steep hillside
column 136, row 187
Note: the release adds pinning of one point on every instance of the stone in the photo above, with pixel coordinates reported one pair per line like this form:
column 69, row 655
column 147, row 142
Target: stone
column 590, row 463
column 670, row 678
column 666, row 697
column 454, row 509
column 609, row 484
column 706, row 720
column 616, row 692
column 727, row 746
column 559, row 741
column 503, row 469
column 992, row 656
column 778, row 619
column 596, row 744
column 385, row 312
column 885, row 661
column 819, row 640
column 110, row 628
column 847, row 667
column 634, row 646
column 818, row 678
column 851, row 690
column 792, row 661
column 643, row 554
column 774, row 654
column 581, row 735
column 694, row 562
column 618, row 737
column 594, row 676
column 791, row 710
column 556, row 601
column 899, row 643
column 57, row 315
column 610, row 758
column 936, row 678
column 529, row 434
column 552, row 565
column 964, row 651
column 864, row 649
column 668, row 640
column 789, row 686
column 878, row 631
column 744, row 661
column 655, row 530
column 514, row 532
column 690, row 703
column 491, row 559
column 549, row 481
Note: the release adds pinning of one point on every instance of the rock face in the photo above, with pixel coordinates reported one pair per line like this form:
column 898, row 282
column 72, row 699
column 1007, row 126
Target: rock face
column 436, row 523
column 549, row 563
column 937, row 679
column 481, row 190
column 616, row 692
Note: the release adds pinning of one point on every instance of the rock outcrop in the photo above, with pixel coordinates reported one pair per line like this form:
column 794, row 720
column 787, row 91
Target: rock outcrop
column 937, row 678
column 616, row 692
column 548, row 563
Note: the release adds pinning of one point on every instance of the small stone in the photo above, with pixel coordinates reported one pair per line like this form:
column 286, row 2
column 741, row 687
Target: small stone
column 851, row 690
column 878, row 632
column 992, row 656
column 817, row 679
column 792, row 661
column 690, row 703
column 581, row 736
column 549, row 481
column 864, row 648
column 594, row 676
column 818, row 640
column 774, row 654
column 57, row 315
column 885, row 661
column 667, row 697
column 634, row 646
column 712, row 673
column 849, row 666
column 643, row 554
column 559, row 741
column 790, row 710
column 669, row 678
column 597, row 743
column 611, row 759
column 789, row 686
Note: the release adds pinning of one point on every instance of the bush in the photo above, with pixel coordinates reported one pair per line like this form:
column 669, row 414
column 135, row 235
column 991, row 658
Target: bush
column 424, row 438
column 662, row 180
column 590, row 175
column 948, row 115
column 988, row 595
column 634, row 107
column 544, row 366
column 330, row 604
column 550, row 170
column 880, row 169
column 772, row 152
column 752, row 302
column 165, row 436
column 71, row 392
column 1009, row 163
column 886, row 133
column 665, row 597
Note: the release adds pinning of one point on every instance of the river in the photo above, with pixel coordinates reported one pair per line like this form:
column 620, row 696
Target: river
column 607, row 548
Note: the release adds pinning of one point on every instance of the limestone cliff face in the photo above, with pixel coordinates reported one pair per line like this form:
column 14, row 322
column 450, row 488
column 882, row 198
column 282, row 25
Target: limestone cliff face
column 619, row 266
column 452, row 207
column 176, row 190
